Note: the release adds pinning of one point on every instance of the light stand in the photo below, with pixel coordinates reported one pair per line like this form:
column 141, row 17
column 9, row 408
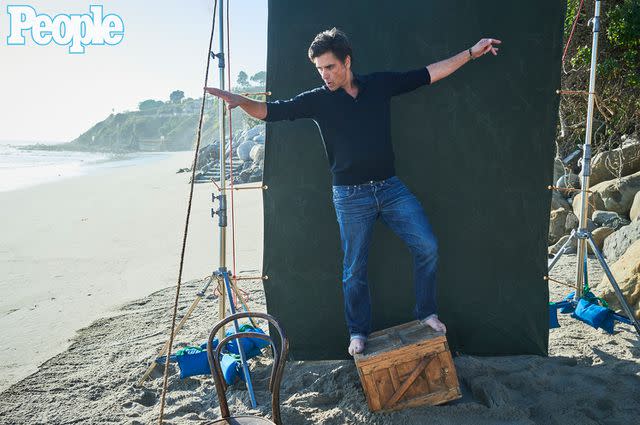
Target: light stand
column 222, row 273
column 583, row 234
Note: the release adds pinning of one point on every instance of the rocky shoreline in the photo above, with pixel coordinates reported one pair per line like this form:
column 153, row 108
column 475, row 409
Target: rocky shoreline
column 614, row 215
column 247, row 158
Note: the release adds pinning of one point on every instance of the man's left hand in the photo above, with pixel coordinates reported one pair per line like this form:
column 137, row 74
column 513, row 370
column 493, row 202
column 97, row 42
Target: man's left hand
column 484, row 46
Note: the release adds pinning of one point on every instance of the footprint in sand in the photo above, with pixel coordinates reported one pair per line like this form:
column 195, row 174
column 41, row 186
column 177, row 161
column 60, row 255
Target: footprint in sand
column 147, row 398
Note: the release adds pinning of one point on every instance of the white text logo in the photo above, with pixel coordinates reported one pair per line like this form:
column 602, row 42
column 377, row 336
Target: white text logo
column 73, row 30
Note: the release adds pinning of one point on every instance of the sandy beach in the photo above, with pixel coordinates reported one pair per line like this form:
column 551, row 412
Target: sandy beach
column 589, row 377
column 75, row 250
column 101, row 253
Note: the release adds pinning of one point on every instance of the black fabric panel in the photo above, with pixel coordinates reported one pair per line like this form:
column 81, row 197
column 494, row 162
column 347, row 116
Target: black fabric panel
column 476, row 148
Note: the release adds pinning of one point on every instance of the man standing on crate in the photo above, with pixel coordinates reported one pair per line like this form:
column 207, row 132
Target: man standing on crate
column 353, row 114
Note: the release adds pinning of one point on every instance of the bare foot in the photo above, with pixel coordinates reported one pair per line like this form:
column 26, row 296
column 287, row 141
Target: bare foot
column 356, row 346
column 434, row 323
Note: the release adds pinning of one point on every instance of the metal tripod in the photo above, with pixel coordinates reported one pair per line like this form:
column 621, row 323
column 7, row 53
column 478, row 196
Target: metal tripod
column 583, row 235
column 222, row 271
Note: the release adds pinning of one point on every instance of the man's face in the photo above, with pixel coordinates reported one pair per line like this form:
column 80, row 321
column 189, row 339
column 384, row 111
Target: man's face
column 333, row 72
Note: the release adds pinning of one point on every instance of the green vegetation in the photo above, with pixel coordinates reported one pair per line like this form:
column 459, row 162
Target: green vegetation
column 617, row 109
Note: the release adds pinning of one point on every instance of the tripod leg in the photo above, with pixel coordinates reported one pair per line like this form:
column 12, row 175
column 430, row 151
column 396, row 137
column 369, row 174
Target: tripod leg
column 179, row 326
column 616, row 288
column 236, row 291
column 556, row 257
column 243, row 358
column 222, row 308
column 166, row 344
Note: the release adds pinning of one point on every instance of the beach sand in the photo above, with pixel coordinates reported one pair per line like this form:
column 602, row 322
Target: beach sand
column 589, row 377
column 75, row 250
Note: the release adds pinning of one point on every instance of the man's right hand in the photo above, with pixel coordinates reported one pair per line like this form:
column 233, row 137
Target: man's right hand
column 231, row 99
column 255, row 109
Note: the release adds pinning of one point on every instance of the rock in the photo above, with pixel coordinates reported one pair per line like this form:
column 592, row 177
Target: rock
column 609, row 219
column 572, row 248
column 626, row 272
column 183, row 170
column 568, row 180
column 617, row 195
column 251, row 175
column 616, row 244
column 257, row 153
column 254, row 132
column 560, row 223
column 595, row 203
column 244, row 150
column 604, row 165
column 599, row 235
column 601, row 217
column 208, row 153
column 634, row 212
column 558, row 169
column 557, row 201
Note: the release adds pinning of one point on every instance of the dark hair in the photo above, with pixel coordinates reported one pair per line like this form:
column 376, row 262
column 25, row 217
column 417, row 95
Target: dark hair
column 332, row 40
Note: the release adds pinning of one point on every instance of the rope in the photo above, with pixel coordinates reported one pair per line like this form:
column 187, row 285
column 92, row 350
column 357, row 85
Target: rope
column 573, row 28
column 186, row 224
column 233, row 221
column 568, row 285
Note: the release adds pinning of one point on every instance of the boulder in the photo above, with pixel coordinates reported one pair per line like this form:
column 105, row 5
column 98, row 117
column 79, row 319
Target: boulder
column 208, row 153
column 617, row 195
column 244, row 150
column 617, row 243
column 252, row 174
column 634, row 212
column 572, row 248
column 609, row 219
column 599, row 235
column 568, row 180
column 626, row 272
column 604, row 165
column 557, row 201
column 595, row 203
column 558, row 169
column 561, row 222
column 257, row 153
column 254, row 131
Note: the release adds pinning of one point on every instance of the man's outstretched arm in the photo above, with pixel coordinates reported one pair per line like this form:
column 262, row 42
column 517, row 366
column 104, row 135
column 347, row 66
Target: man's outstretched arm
column 252, row 107
column 440, row 70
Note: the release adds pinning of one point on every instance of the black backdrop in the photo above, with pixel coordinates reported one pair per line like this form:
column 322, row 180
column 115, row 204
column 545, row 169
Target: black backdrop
column 476, row 148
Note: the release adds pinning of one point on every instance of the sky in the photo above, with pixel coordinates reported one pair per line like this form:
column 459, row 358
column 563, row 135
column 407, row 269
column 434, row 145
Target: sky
column 50, row 95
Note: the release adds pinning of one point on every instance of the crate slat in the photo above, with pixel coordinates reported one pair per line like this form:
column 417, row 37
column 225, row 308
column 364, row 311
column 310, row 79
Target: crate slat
column 405, row 366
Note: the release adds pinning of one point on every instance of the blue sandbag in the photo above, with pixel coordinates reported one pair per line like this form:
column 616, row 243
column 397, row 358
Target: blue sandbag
column 569, row 306
column 231, row 368
column 250, row 346
column 608, row 324
column 553, row 316
column 193, row 361
column 563, row 306
column 591, row 314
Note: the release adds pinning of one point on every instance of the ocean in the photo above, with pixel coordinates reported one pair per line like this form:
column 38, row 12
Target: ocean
column 21, row 168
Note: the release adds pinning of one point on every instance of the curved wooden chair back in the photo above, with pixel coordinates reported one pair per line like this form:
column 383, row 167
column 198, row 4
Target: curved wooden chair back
column 277, row 370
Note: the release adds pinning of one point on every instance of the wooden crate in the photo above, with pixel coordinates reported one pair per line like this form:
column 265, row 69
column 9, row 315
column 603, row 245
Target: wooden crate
column 405, row 366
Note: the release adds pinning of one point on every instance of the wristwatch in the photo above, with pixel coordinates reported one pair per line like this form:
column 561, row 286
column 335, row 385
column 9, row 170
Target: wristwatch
column 471, row 54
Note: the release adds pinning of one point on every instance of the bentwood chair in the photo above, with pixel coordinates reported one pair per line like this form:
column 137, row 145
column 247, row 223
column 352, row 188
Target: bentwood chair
column 277, row 370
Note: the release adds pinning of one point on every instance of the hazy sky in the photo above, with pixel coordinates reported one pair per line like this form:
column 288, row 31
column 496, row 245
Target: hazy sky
column 51, row 95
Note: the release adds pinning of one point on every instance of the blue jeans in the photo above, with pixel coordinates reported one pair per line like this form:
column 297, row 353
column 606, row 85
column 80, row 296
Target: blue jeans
column 357, row 209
